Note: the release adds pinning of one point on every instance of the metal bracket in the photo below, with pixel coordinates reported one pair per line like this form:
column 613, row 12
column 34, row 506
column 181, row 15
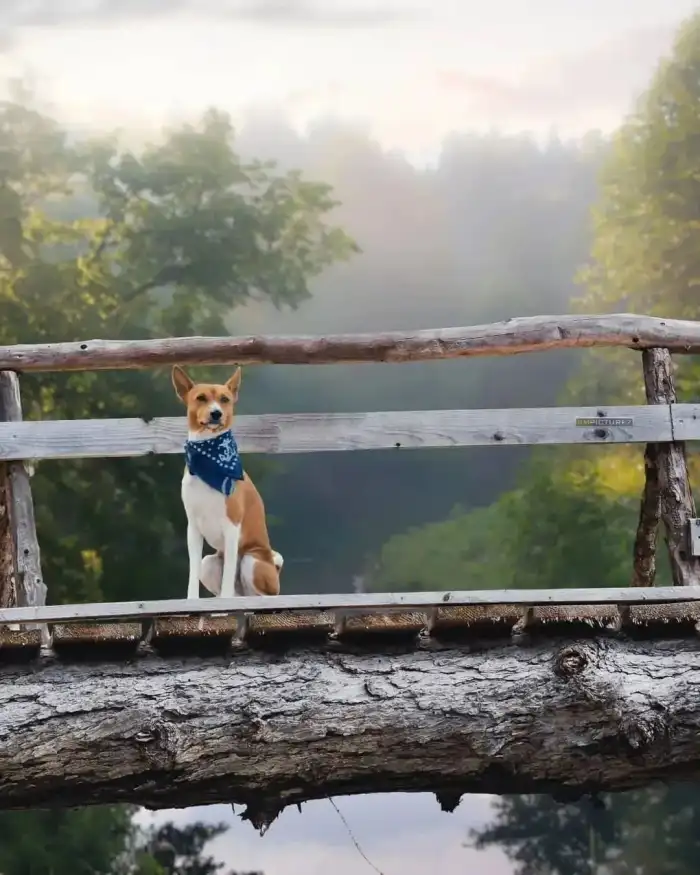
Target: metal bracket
column 694, row 530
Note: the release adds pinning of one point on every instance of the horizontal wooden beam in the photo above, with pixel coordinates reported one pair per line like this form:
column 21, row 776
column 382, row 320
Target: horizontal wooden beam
column 251, row 728
column 323, row 432
column 362, row 602
column 513, row 336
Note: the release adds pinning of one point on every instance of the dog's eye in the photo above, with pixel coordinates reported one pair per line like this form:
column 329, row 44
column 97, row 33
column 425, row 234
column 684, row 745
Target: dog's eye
column 202, row 399
column 224, row 399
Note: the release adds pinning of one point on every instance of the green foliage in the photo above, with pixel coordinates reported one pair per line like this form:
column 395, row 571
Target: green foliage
column 654, row 831
column 645, row 259
column 64, row 842
column 560, row 528
column 102, row 242
column 96, row 241
column 647, row 223
column 169, row 850
column 467, row 551
column 645, row 255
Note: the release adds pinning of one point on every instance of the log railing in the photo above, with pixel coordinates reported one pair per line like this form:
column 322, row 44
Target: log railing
column 662, row 426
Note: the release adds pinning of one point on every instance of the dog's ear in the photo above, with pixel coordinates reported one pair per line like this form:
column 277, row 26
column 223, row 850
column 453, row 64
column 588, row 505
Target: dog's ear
column 181, row 382
column 233, row 384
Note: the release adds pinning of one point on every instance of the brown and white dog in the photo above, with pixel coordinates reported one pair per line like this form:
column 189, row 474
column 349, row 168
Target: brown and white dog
column 222, row 504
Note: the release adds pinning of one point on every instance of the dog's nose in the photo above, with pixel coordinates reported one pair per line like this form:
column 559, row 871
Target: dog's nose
column 215, row 415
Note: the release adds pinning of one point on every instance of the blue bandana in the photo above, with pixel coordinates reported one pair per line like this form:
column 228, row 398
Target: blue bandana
column 215, row 461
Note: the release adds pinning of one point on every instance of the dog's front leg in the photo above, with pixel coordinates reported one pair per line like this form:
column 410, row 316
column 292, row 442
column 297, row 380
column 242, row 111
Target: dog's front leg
column 195, row 545
column 232, row 536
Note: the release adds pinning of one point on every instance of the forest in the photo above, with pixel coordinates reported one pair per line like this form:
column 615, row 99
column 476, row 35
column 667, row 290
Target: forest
column 214, row 230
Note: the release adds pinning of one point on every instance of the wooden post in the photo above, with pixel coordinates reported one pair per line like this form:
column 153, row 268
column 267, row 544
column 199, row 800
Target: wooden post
column 644, row 571
column 649, row 514
column 7, row 550
column 18, row 533
column 667, row 492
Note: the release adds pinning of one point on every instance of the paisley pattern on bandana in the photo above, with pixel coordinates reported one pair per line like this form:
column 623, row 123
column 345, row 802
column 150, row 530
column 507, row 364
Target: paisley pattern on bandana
column 215, row 461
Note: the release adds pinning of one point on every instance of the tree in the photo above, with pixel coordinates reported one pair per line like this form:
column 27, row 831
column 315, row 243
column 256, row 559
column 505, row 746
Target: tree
column 542, row 836
column 170, row 850
column 644, row 259
column 97, row 241
column 104, row 242
column 568, row 523
column 646, row 223
column 642, row 832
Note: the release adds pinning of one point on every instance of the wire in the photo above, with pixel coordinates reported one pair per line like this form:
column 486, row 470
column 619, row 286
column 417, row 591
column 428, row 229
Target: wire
column 352, row 837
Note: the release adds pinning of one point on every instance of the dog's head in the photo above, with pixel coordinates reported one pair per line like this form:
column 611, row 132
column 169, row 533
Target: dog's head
column 210, row 406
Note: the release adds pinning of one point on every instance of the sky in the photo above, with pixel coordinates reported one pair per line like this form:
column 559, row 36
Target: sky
column 411, row 70
column 400, row 834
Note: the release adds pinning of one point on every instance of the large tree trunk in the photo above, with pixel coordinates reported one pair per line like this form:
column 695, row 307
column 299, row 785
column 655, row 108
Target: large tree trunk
column 270, row 730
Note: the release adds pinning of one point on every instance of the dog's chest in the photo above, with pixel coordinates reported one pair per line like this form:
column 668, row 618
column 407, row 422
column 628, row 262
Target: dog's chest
column 206, row 508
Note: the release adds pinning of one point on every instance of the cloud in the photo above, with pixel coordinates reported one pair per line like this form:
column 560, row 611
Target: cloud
column 603, row 77
column 19, row 14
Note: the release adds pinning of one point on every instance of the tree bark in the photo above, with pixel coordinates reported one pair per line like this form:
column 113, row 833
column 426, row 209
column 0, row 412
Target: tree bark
column 17, row 526
column 657, row 392
column 7, row 545
column 644, row 566
column 510, row 337
column 676, row 504
column 267, row 730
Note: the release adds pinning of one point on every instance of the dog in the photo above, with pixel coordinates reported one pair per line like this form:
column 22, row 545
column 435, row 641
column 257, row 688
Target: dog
column 223, row 506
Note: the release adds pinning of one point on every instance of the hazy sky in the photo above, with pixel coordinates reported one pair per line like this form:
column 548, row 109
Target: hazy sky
column 399, row 833
column 411, row 70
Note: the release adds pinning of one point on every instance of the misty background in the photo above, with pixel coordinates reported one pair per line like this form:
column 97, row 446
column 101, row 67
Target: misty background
column 467, row 147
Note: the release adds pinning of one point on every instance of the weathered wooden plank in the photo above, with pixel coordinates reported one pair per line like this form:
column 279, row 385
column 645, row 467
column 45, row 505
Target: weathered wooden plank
column 675, row 495
column 476, row 619
column 190, row 634
column 645, row 615
column 20, row 644
column 197, row 626
column 392, row 623
column 30, row 587
column 96, row 641
column 96, row 633
column 572, row 620
column 353, row 601
column 290, row 623
column 512, row 336
column 685, row 419
column 311, row 432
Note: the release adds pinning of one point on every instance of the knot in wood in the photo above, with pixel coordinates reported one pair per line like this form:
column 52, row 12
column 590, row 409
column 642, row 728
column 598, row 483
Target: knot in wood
column 158, row 742
column 641, row 733
column 570, row 662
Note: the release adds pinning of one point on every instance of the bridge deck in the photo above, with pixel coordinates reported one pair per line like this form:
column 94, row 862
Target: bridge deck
column 121, row 630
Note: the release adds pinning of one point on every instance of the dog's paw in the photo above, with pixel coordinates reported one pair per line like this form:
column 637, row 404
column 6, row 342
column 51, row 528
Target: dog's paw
column 277, row 560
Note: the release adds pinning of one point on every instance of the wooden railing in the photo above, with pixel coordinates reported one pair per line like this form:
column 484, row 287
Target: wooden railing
column 225, row 721
column 662, row 426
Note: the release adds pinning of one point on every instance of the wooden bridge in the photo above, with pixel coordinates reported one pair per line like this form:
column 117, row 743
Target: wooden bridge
column 274, row 701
